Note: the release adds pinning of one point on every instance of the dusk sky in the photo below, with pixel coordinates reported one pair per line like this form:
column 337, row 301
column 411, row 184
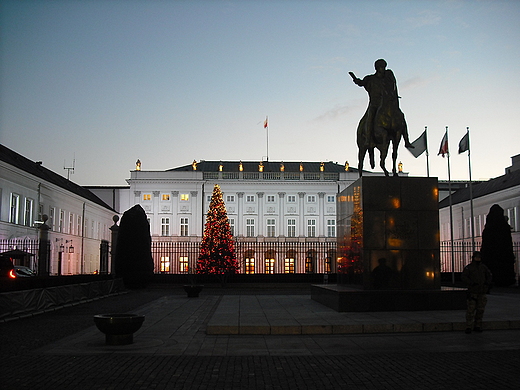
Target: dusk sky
column 167, row 82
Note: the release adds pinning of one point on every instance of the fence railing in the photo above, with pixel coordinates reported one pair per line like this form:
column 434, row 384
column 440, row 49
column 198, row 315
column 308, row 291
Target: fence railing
column 253, row 256
column 462, row 251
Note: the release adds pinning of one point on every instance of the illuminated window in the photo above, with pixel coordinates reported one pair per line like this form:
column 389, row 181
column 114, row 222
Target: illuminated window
column 52, row 217
column 331, row 228
column 250, row 227
column 147, row 196
column 15, row 208
column 184, row 227
column 71, row 224
column 269, row 266
column 232, row 226
column 289, row 266
column 165, row 226
column 310, row 261
column 165, row 264
column 271, row 228
column 311, row 228
column 28, row 213
column 165, row 196
column 183, row 264
column 250, row 265
column 61, row 220
column 185, row 197
column 291, row 228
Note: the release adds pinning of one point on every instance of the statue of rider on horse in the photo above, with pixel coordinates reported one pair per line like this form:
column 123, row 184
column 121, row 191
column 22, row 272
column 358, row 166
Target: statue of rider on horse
column 383, row 121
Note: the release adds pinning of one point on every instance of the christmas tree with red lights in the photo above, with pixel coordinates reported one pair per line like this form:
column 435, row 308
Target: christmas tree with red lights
column 217, row 250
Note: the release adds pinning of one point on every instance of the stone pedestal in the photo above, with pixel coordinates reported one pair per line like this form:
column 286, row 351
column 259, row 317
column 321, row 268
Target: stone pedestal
column 388, row 247
column 395, row 219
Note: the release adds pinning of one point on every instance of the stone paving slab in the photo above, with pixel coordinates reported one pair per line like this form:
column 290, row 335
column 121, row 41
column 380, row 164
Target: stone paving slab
column 298, row 314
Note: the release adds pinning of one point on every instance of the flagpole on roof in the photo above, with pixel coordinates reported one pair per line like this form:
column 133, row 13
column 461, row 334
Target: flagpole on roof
column 266, row 126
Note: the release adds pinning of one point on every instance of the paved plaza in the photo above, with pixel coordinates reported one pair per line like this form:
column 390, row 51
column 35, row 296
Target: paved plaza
column 242, row 338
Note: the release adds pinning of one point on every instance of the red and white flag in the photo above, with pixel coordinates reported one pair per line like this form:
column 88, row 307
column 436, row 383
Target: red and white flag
column 266, row 124
column 444, row 145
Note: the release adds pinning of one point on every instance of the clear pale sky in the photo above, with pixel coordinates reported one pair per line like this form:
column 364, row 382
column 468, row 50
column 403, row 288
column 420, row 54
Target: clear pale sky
column 167, row 82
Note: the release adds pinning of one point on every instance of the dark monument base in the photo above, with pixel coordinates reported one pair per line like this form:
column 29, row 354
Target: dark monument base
column 343, row 298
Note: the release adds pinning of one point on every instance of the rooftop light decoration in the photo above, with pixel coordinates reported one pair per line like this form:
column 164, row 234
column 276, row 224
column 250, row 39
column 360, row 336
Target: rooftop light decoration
column 138, row 165
column 261, row 167
column 282, row 167
column 301, row 166
column 220, row 167
column 194, row 165
column 346, row 166
column 322, row 166
column 240, row 166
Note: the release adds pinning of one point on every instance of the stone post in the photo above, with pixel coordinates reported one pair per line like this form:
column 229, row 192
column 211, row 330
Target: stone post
column 44, row 248
column 115, row 231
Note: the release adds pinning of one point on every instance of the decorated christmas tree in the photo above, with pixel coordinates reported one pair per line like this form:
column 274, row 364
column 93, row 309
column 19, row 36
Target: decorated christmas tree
column 217, row 250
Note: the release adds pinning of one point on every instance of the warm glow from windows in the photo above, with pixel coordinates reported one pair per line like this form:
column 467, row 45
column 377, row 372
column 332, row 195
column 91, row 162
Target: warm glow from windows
column 166, row 197
column 185, row 197
column 183, row 264
column 147, row 197
column 165, row 264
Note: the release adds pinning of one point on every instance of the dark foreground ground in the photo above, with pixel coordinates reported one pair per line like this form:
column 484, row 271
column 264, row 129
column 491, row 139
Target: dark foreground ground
column 483, row 364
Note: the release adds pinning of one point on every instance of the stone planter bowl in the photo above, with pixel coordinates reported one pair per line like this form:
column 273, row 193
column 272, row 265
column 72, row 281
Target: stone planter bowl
column 119, row 328
column 193, row 291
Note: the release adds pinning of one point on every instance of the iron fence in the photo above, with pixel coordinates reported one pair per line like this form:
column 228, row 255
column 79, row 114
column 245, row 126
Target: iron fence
column 462, row 251
column 254, row 256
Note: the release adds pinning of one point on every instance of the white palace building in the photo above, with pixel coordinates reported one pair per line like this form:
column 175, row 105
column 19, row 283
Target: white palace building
column 282, row 214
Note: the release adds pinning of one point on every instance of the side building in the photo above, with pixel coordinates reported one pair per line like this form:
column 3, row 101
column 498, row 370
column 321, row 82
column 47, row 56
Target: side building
column 282, row 214
column 503, row 190
column 79, row 221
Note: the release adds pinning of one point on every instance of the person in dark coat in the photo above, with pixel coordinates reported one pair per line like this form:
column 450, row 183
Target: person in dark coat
column 497, row 247
column 478, row 277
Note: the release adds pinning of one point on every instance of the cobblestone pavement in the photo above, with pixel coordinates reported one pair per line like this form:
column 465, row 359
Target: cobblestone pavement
column 33, row 356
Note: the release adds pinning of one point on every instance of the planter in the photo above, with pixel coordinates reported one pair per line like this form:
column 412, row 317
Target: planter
column 193, row 290
column 119, row 328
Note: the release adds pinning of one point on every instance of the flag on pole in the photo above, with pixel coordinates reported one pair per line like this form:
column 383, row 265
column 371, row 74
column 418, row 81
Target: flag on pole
column 444, row 145
column 266, row 124
column 420, row 145
column 464, row 143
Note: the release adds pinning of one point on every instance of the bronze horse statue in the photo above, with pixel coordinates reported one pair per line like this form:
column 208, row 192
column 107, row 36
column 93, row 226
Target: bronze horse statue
column 389, row 126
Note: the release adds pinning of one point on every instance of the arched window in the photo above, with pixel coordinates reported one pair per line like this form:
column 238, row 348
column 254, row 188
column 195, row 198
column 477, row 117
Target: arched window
column 269, row 261
column 289, row 262
column 249, row 261
column 310, row 261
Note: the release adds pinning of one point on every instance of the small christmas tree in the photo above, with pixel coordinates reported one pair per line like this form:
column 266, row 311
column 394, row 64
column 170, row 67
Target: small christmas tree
column 217, row 250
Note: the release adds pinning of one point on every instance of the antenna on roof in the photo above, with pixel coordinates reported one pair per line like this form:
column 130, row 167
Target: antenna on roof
column 70, row 169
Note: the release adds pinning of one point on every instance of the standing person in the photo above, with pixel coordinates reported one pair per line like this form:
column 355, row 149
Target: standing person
column 478, row 278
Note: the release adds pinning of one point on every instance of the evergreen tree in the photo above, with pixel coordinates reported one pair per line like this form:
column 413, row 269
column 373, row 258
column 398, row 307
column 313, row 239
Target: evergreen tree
column 217, row 250
column 497, row 247
column 134, row 261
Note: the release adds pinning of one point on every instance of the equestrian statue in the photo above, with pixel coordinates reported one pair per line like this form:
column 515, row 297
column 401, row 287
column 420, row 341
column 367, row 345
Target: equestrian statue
column 383, row 122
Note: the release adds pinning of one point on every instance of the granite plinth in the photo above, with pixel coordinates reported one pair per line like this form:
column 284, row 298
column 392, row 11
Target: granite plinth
column 343, row 298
